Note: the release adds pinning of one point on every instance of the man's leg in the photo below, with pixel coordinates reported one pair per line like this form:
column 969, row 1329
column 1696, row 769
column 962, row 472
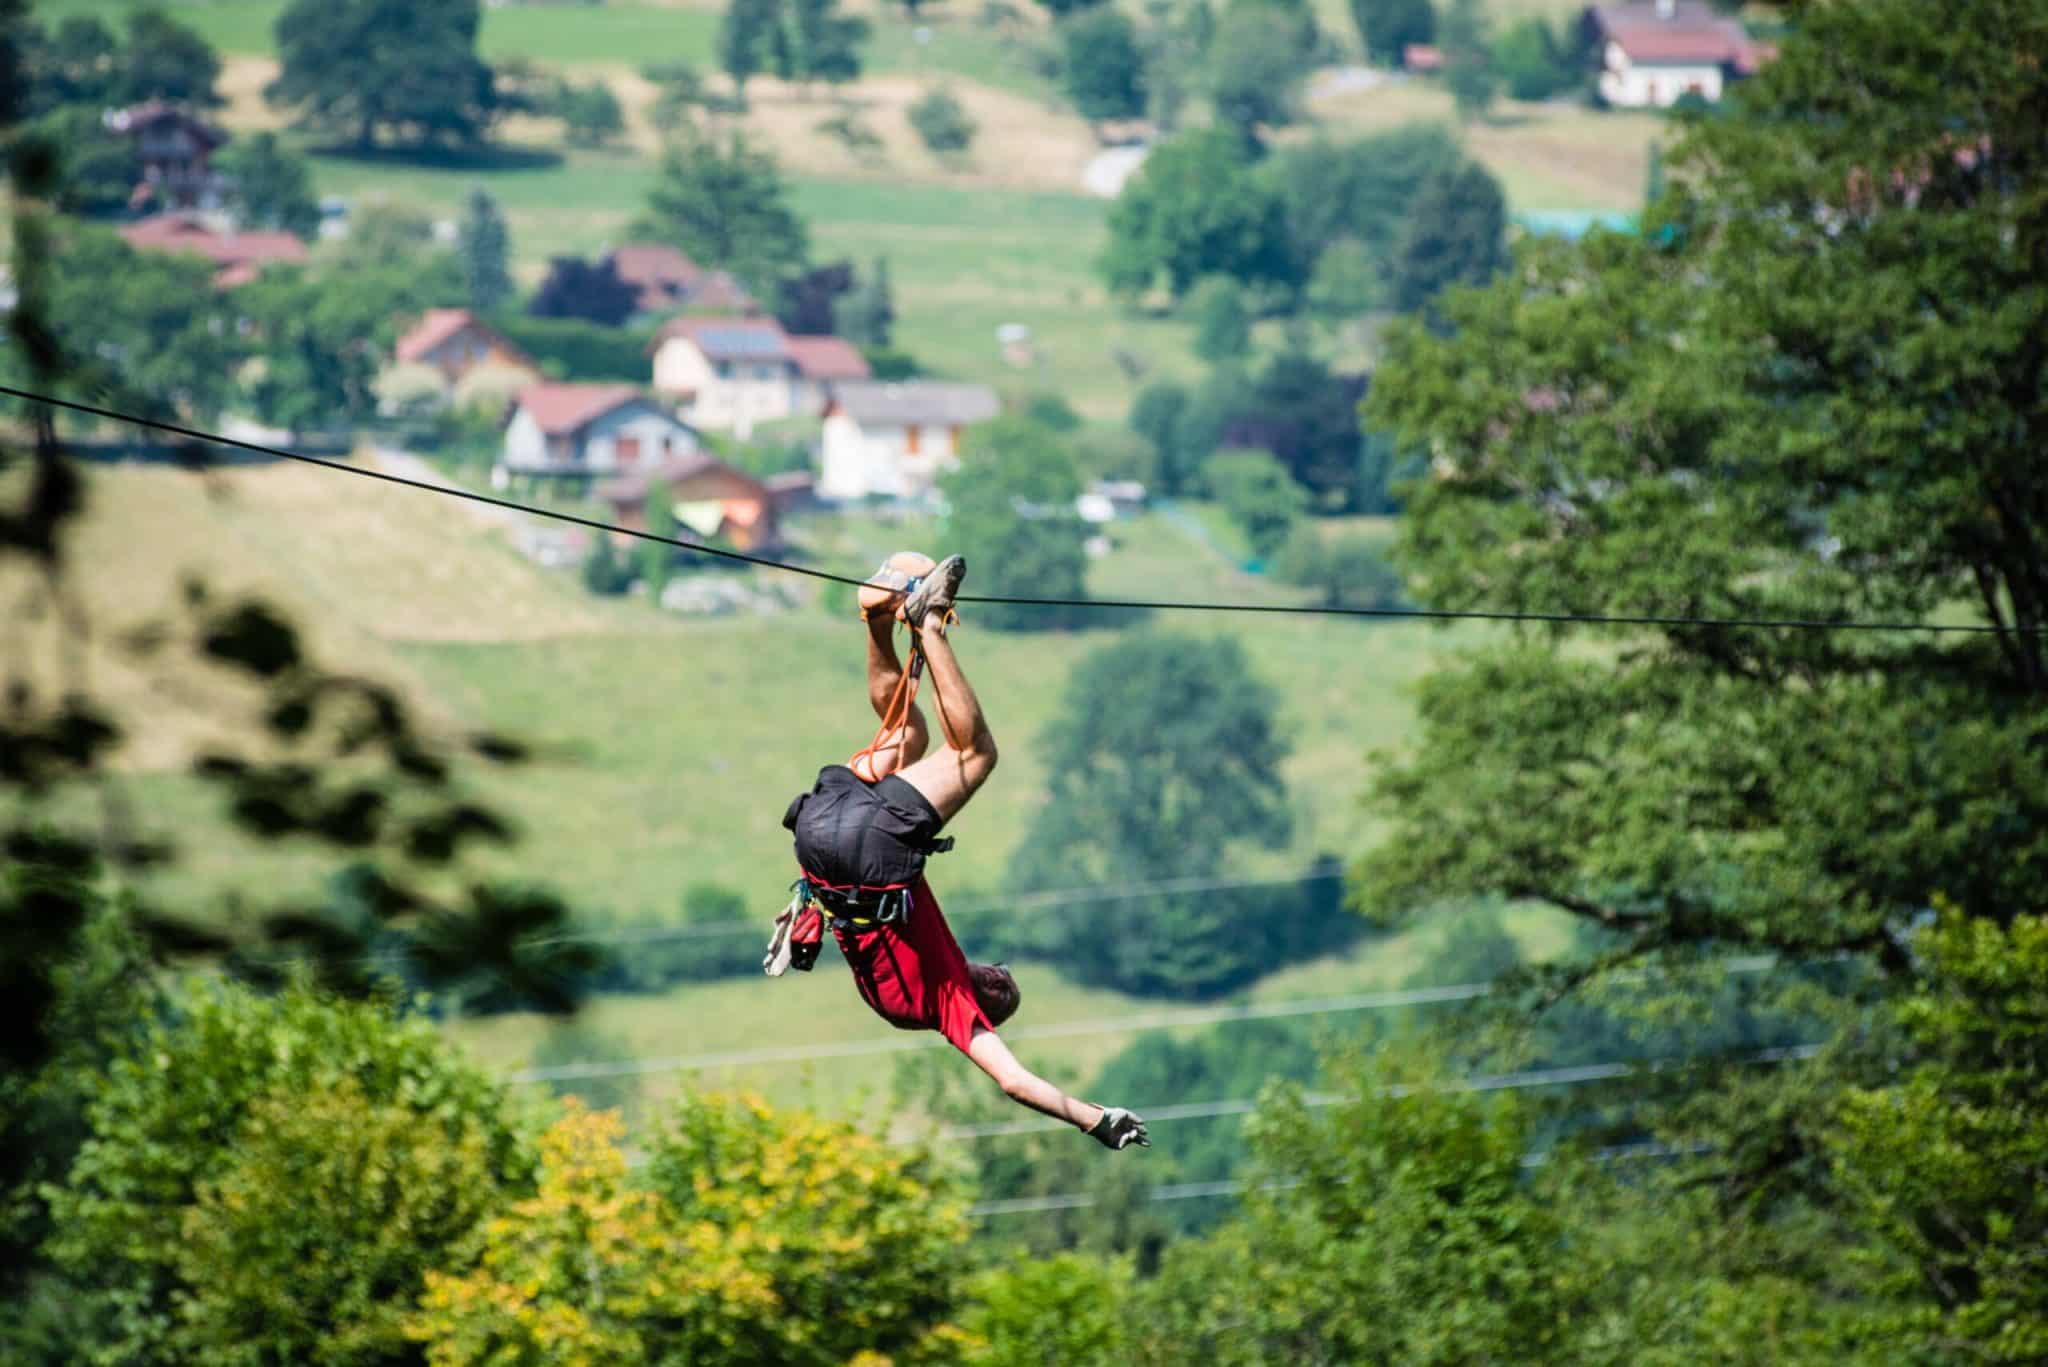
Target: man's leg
column 1116, row 1129
column 908, row 742
column 949, row 776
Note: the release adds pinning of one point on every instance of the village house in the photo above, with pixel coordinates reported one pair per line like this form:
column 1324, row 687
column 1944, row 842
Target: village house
column 456, row 341
column 667, row 282
column 731, row 373
column 580, row 431
column 175, row 150
column 893, row 438
column 241, row 257
column 708, row 497
column 1655, row 52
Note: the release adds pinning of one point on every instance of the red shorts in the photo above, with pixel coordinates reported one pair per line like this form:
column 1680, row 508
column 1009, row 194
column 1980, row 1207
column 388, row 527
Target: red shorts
column 912, row 973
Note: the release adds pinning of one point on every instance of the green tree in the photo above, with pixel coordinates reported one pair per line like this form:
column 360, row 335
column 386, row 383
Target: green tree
column 1012, row 502
column 1195, row 208
column 866, row 315
column 272, row 187
column 1156, row 417
column 724, row 204
column 1062, row 1309
column 1346, row 572
column 98, row 167
column 152, row 324
column 1387, row 27
column 361, row 68
column 164, row 60
column 1059, row 9
column 605, row 572
column 827, row 42
column 1939, row 1159
column 1223, row 327
column 744, row 34
column 1259, row 494
column 657, row 561
column 484, row 245
column 1532, row 62
column 1456, row 235
column 75, row 65
column 590, row 114
column 1357, row 191
column 1260, row 56
column 942, row 122
column 1163, row 761
column 1406, row 1232
column 344, row 1116
column 1175, row 44
column 1103, row 69
column 1469, row 68
column 861, row 1243
column 1865, row 460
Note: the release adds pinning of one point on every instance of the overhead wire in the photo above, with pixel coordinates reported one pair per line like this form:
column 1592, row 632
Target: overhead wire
column 1126, row 1024
column 1133, row 604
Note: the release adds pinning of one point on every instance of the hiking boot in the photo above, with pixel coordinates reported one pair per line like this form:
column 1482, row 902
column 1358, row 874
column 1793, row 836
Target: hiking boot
column 931, row 598
column 897, row 575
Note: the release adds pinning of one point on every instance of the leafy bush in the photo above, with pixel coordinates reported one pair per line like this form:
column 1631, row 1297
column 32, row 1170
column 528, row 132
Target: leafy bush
column 1534, row 64
column 1012, row 499
column 942, row 121
column 240, row 1139
column 1259, row 494
column 583, row 350
column 1347, row 572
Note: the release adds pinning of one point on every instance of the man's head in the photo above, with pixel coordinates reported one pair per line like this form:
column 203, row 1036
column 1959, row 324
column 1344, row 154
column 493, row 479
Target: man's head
column 995, row 990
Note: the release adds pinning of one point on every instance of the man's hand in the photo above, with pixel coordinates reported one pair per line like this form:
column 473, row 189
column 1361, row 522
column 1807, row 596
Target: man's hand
column 1119, row 1129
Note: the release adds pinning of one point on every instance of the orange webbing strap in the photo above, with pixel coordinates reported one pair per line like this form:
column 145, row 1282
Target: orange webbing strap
column 896, row 715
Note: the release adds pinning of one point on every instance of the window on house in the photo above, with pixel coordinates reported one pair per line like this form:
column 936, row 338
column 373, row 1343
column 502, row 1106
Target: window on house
column 725, row 370
column 627, row 450
column 910, row 435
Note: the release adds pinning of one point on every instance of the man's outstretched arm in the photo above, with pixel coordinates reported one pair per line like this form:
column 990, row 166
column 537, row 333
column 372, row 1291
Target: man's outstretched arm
column 1112, row 1125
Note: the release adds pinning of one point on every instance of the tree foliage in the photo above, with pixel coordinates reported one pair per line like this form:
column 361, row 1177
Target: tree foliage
column 363, row 68
column 723, row 203
column 1012, row 500
column 1195, row 208
column 1102, row 67
column 1259, row 494
column 1163, row 761
column 484, row 245
column 1456, row 234
column 941, row 122
column 1261, row 55
column 1387, row 27
column 272, row 188
column 209, row 1202
column 1469, row 67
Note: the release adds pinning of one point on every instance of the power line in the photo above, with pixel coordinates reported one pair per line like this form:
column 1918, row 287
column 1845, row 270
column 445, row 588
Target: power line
column 1155, row 1020
column 1157, row 605
column 1189, row 1191
column 1569, row 1076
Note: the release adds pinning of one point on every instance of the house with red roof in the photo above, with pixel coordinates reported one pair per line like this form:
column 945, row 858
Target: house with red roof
column 579, row 431
column 241, row 257
column 708, row 497
column 731, row 373
column 669, row 282
column 456, row 341
column 1655, row 52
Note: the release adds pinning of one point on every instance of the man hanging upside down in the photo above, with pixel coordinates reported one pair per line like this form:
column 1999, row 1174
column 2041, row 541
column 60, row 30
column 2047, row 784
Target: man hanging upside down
column 863, row 833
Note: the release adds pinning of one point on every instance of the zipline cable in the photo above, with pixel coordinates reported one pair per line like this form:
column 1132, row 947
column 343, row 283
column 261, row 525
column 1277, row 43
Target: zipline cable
column 1137, row 604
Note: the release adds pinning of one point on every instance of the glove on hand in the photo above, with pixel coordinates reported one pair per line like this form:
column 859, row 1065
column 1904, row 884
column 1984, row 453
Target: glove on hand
column 1119, row 1129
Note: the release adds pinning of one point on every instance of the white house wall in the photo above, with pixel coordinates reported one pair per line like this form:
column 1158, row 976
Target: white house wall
column 876, row 459
column 749, row 392
column 528, row 450
column 1627, row 85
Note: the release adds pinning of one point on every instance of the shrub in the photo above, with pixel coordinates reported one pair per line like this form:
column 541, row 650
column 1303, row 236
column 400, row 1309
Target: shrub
column 289, row 1106
column 942, row 121
column 1259, row 494
column 584, row 350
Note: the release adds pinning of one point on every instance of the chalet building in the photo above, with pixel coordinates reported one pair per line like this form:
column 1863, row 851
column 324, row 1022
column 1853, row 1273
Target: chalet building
column 175, row 150
column 708, row 497
column 456, row 341
column 1655, row 52
column 667, row 282
column 731, row 373
column 240, row 257
column 893, row 439
column 583, row 431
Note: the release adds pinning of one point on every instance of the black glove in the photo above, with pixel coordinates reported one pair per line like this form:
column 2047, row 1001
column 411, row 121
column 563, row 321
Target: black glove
column 1119, row 1129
